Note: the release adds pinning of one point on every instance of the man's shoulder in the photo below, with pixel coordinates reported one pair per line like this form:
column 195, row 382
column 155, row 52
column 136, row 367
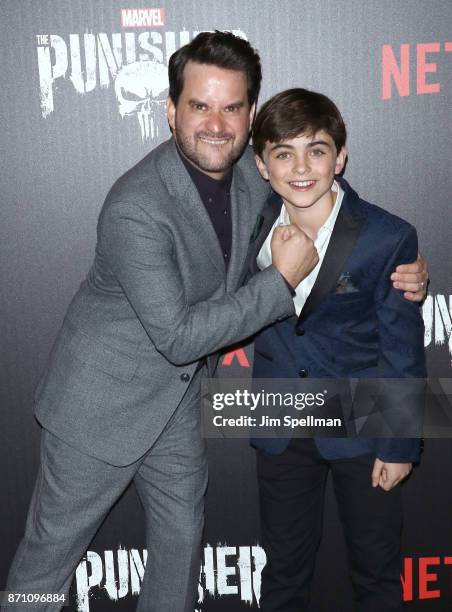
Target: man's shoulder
column 246, row 162
column 249, row 173
column 148, row 177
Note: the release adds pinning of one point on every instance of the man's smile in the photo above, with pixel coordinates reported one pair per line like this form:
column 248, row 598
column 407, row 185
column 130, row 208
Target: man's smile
column 214, row 141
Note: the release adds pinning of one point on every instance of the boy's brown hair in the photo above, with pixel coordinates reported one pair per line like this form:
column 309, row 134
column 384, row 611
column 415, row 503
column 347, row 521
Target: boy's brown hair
column 297, row 111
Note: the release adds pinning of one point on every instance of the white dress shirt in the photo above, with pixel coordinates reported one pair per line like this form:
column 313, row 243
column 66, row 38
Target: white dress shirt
column 264, row 259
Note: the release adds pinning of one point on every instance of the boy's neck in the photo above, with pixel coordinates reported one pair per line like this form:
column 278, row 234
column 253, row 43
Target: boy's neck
column 311, row 219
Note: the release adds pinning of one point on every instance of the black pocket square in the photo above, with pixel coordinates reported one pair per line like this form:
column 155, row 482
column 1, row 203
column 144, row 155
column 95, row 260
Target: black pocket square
column 345, row 284
column 257, row 228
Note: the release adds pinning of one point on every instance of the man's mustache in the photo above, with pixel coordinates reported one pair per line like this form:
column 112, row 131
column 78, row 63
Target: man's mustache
column 216, row 136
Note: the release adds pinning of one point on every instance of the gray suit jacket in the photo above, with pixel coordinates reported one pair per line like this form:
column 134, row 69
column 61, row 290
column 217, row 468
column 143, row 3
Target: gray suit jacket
column 156, row 300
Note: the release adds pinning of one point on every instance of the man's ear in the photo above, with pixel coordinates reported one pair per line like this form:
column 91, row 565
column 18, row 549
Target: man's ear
column 171, row 112
column 261, row 167
column 340, row 160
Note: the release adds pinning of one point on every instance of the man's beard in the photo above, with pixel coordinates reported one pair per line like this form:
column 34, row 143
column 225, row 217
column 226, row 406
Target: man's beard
column 222, row 161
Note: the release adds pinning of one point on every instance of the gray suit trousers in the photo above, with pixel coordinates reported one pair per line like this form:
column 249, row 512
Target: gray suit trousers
column 74, row 493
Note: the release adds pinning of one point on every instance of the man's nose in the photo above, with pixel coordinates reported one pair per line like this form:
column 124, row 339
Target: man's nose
column 215, row 123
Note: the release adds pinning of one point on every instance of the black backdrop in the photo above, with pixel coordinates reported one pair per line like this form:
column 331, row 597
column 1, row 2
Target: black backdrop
column 82, row 101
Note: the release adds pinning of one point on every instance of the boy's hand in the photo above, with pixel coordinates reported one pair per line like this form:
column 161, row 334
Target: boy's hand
column 412, row 279
column 293, row 253
column 388, row 475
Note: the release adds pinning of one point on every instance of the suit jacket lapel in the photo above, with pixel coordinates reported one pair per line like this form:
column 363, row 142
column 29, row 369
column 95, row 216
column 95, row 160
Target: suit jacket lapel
column 197, row 216
column 269, row 215
column 240, row 220
column 345, row 233
column 190, row 204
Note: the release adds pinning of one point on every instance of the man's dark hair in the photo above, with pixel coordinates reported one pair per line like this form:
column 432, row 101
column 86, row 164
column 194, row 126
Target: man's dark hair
column 222, row 49
column 294, row 112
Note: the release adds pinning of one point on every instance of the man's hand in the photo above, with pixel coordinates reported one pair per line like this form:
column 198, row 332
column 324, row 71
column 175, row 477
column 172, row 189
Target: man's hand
column 412, row 279
column 388, row 475
column 293, row 253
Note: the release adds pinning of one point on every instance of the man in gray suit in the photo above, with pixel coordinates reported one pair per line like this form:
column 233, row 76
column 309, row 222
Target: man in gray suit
column 119, row 400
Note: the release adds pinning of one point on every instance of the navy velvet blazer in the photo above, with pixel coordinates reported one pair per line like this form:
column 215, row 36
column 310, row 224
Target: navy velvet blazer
column 354, row 323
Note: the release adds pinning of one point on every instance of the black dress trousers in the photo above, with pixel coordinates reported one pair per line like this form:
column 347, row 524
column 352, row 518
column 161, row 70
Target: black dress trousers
column 291, row 492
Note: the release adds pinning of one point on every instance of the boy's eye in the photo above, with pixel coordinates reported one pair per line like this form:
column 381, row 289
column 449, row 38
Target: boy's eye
column 284, row 155
column 316, row 153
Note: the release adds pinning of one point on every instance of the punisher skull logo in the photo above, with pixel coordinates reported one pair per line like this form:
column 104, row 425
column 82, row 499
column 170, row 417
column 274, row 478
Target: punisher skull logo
column 141, row 89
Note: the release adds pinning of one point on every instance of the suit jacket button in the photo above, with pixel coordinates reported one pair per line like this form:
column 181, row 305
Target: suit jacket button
column 302, row 373
column 299, row 331
column 185, row 377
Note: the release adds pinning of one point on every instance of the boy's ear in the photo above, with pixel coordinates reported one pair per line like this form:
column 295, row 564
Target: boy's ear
column 261, row 167
column 340, row 160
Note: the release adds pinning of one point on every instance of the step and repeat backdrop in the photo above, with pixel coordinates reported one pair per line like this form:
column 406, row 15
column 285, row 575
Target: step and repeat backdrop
column 83, row 90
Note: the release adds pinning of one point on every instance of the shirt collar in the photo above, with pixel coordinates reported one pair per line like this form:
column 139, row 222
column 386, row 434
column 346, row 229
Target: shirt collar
column 204, row 183
column 329, row 223
column 331, row 220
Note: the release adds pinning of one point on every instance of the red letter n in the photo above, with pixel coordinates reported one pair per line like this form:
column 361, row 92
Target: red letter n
column 407, row 579
column 390, row 71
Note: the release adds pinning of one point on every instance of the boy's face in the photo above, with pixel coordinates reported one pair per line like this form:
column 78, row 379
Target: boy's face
column 301, row 170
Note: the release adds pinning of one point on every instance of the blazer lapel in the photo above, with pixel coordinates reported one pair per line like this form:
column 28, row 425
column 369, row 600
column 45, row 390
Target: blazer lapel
column 240, row 221
column 269, row 215
column 345, row 233
column 190, row 204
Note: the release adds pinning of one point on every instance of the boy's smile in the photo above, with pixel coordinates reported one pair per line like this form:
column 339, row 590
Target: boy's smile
column 302, row 169
column 302, row 185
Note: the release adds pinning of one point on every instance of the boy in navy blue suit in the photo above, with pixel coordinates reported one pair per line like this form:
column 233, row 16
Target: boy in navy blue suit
column 350, row 322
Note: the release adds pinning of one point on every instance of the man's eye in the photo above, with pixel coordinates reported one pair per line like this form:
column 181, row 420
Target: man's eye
column 198, row 107
column 232, row 109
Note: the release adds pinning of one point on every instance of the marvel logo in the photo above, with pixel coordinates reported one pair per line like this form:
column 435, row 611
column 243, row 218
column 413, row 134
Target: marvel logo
column 142, row 18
